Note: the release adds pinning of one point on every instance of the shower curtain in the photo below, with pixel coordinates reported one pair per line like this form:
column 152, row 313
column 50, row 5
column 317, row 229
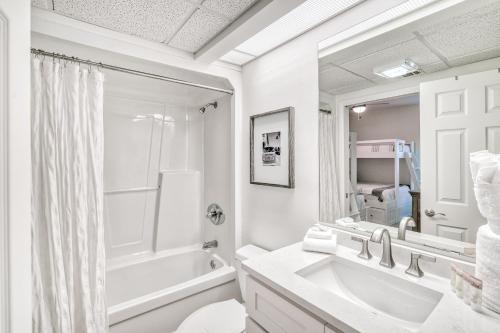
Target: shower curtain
column 67, row 199
column 329, row 209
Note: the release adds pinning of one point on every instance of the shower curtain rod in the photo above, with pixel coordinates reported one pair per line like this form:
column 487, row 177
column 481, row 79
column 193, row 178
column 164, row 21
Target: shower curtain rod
column 127, row 70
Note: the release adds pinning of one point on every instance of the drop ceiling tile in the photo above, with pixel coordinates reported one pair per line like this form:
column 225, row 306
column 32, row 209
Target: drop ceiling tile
column 44, row 4
column 471, row 58
column 334, row 78
column 156, row 20
column 413, row 50
column 434, row 67
column 229, row 8
column 351, row 87
column 325, row 66
column 467, row 34
column 199, row 29
column 368, row 47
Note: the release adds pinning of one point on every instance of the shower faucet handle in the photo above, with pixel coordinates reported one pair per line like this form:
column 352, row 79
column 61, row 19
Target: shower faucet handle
column 215, row 214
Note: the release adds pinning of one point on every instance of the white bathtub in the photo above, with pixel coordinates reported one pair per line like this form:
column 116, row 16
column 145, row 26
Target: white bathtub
column 155, row 293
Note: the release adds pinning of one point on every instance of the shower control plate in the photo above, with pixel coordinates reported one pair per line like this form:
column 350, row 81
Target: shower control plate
column 215, row 214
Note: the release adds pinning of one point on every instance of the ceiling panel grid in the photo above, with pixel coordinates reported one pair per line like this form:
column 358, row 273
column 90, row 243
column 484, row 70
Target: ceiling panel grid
column 454, row 40
column 185, row 24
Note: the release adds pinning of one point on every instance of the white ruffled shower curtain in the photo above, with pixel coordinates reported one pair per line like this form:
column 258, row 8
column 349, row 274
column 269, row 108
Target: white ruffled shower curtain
column 329, row 209
column 67, row 199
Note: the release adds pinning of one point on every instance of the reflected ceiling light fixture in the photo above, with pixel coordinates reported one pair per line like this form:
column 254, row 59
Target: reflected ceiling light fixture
column 359, row 108
column 400, row 69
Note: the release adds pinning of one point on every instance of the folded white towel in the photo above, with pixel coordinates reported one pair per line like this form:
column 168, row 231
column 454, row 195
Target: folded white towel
column 347, row 222
column 318, row 234
column 488, row 266
column 320, row 245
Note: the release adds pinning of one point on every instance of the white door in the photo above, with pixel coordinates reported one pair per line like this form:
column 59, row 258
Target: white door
column 457, row 116
column 15, row 167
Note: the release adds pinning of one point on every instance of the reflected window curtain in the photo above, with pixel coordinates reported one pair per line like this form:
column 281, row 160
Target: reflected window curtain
column 329, row 209
column 68, row 266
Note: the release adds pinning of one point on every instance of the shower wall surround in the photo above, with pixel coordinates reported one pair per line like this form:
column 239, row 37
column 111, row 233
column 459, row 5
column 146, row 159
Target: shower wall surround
column 144, row 137
column 150, row 127
column 160, row 155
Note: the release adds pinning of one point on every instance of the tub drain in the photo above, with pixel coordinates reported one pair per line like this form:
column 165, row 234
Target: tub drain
column 212, row 264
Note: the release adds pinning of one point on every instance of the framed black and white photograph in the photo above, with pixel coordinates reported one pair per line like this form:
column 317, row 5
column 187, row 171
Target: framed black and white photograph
column 271, row 148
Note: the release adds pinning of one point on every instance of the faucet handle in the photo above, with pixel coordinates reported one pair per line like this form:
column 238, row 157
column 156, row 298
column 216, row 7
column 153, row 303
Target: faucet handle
column 414, row 268
column 365, row 252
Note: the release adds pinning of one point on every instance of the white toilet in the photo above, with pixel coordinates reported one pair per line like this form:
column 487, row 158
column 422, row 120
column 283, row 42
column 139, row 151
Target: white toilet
column 227, row 316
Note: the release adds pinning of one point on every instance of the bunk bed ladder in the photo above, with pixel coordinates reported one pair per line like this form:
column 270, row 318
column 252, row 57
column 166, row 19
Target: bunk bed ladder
column 414, row 167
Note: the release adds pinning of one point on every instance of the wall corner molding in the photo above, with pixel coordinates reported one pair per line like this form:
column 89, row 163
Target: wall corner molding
column 4, row 221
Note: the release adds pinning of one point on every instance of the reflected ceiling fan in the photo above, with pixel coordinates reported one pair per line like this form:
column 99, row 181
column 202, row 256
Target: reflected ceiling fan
column 360, row 108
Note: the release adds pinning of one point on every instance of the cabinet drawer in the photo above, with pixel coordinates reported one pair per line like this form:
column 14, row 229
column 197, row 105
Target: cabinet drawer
column 276, row 314
column 376, row 215
column 252, row 327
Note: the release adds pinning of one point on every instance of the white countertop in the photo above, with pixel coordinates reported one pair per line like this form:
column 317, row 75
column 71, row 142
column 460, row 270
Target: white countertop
column 277, row 270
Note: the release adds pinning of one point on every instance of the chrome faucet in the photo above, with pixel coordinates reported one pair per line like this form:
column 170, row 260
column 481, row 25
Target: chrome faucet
column 405, row 222
column 414, row 268
column 365, row 252
column 210, row 244
column 381, row 235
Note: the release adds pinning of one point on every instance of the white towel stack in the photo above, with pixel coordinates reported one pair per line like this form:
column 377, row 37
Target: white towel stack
column 485, row 170
column 488, row 266
column 320, row 239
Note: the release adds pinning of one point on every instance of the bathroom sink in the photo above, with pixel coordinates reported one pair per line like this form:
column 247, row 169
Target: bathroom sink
column 406, row 302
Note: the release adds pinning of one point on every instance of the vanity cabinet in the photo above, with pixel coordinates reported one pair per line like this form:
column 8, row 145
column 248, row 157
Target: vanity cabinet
column 272, row 312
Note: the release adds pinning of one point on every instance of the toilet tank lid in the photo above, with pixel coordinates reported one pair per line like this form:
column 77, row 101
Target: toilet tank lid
column 249, row 251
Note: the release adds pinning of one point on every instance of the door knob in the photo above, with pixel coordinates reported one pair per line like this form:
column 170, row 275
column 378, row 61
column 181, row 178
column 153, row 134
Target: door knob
column 432, row 213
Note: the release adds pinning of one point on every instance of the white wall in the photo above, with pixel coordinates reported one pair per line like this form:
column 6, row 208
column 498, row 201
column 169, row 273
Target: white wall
column 288, row 76
column 390, row 123
column 16, row 305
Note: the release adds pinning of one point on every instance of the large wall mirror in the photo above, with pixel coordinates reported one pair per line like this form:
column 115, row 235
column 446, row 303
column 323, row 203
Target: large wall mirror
column 399, row 115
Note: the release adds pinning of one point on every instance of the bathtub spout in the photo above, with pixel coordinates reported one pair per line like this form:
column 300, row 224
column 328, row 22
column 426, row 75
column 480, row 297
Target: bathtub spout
column 209, row 245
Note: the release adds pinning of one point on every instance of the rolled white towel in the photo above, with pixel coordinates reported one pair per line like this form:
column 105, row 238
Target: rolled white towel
column 488, row 202
column 480, row 159
column 320, row 245
column 347, row 222
column 487, row 173
column 488, row 266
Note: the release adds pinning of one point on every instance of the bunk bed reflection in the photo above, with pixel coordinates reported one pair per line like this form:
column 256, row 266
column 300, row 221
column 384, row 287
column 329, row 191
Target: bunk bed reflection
column 384, row 203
